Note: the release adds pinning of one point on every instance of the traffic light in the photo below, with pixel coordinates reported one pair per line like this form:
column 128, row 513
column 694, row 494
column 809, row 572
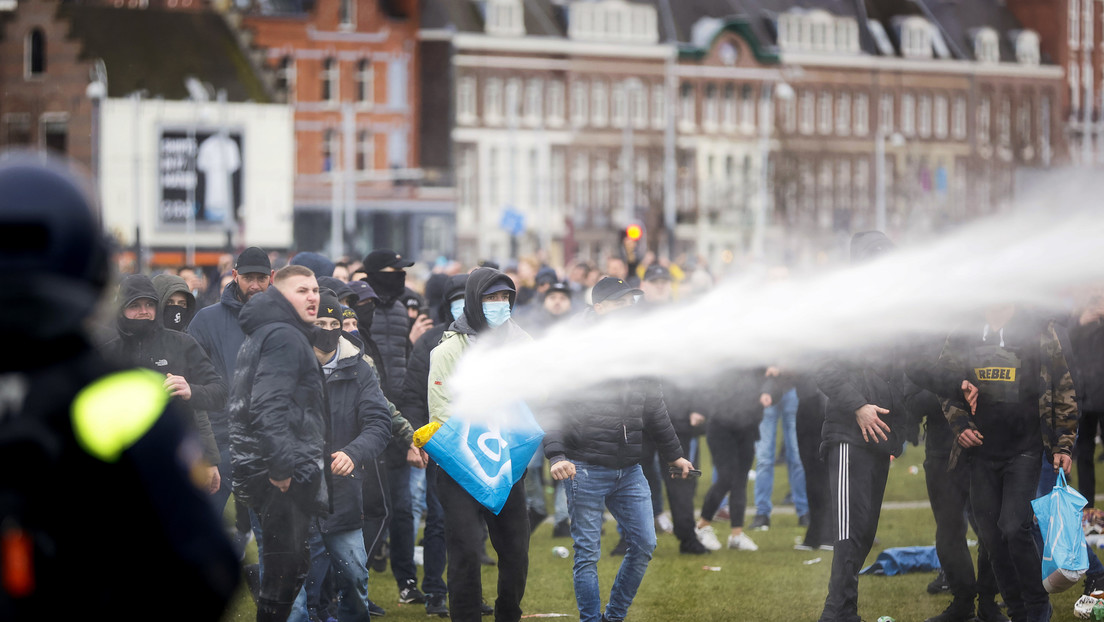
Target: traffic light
column 634, row 232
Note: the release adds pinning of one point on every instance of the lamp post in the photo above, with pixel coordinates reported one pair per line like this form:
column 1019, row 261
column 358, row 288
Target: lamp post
column 784, row 92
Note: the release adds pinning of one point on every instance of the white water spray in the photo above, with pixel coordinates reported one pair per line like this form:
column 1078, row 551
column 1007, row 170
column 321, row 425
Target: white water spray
column 1033, row 256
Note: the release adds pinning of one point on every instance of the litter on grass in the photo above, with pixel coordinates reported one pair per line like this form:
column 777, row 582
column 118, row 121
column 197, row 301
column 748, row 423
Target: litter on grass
column 810, row 562
column 547, row 615
column 713, row 568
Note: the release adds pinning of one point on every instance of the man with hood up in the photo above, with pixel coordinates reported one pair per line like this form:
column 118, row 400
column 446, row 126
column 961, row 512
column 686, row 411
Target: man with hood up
column 489, row 297
column 278, row 432
column 176, row 303
column 189, row 374
column 864, row 426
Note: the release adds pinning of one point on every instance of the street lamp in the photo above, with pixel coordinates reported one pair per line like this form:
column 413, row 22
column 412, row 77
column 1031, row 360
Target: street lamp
column 784, row 92
column 896, row 140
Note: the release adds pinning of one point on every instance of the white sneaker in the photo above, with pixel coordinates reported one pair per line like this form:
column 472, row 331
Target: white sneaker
column 742, row 543
column 1084, row 606
column 708, row 538
column 664, row 524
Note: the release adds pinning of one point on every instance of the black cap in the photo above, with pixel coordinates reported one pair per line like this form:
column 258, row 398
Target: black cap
column 253, row 259
column 559, row 287
column 385, row 258
column 656, row 272
column 328, row 305
column 611, row 288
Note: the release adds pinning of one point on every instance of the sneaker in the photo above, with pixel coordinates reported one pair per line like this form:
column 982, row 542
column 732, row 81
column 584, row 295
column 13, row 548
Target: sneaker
column 761, row 522
column 562, row 529
column 801, row 546
column 960, row 610
column 989, row 611
column 708, row 538
column 664, row 524
column 620, row 548
column 692, row 547
column 375, row 610
column 803, row 520
column 485, row 609
column 939, row 584
column 742, row 542
column 436, row 605
column 1093, row 583
column 1084, row 606
column 723, row 514
column 826, row 547
column 410, row 593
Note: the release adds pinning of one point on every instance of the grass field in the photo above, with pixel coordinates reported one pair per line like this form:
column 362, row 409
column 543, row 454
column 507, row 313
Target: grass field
column 774, row 583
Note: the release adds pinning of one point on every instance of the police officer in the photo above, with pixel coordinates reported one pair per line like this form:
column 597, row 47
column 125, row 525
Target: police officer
column 98, row 507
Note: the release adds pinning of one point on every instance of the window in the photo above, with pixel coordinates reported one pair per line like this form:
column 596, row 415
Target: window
column 925, row 117
column 331, row 74
column 729, row 106
column 55, row 133
column 843, row 115
column 686, row 104
column 958, row 120
column 639, row 105
column 556, row 184
column 599, row 104
column 843, row 185
column 862, row 184
column 825, row 113
column 620, row 105
column 602, row 183
column 17, row 129
column 747, row 108
column 556, row 102
column 465, row 100
column 808, row 112
column 1023, row 122
column 1074, row 74
column 285, row 77
column 940, row 114
column 659, row 106
column 885, row 114
column 466, row 178
column 710, row 109
column 35, row 54
column 534, row 178
column 366, row 151
column 365, row 82
column 789, row 115
column 579, row 103
column 641, row 180
column 494, row 178
column 986, row 46
column 1027, row 48
column 862, row 114
column 396, row 83
column 346, row 13
column 492, row 102
column 580, row 181
column 533, row 102
column 1044, row 128
column 984, row 115
column 1074, row 26
column 505, row 18
column 329, row 151
column 908, row 115
column 916, row 37
column 1004, row 121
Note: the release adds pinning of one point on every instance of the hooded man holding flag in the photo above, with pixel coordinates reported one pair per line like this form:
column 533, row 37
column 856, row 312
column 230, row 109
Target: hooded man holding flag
column 488, row 299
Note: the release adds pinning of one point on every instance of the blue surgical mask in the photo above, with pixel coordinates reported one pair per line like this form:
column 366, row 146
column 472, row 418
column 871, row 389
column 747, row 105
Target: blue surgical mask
column 496, row 313
column 457, row 308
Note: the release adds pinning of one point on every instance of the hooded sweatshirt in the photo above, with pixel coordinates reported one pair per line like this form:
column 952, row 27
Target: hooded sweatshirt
column 414, row 395
column 167, row 285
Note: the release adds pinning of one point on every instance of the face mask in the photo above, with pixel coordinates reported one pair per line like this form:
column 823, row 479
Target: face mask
column 174, row 317
column 326, row 340
column 496, row 313
column 457, row 308
column 137, row 328
column 388, row 285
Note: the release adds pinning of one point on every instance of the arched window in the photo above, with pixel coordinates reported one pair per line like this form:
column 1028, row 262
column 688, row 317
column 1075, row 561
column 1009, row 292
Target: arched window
column 330, row 74
column 36, row 53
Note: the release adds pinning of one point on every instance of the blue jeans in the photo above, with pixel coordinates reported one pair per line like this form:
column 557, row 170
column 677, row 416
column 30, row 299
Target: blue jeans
column 341, row 552
column 786, row 412
column 625, row 492
column 417, row 498
column 559, row 498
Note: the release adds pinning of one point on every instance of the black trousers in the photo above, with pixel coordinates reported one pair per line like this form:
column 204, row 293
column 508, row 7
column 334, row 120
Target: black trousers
column 654, row 471
column 1001, row 493
column 816, row 474
column 285, row 532
column 1085, row 450
column 509, row 534
column 733, row 451
column 377, row 506
column 949, row 495
column 681, row 492
column 857, row 479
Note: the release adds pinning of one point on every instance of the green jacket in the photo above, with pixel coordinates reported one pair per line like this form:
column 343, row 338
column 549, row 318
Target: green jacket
column 442, row 362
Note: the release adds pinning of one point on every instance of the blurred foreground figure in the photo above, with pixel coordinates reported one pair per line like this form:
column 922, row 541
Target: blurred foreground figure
column 99, row 514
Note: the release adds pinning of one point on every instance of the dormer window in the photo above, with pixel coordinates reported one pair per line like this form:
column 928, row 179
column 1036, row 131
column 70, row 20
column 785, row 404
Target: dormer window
column 613, row 21
column 986, row 46
column 505, row 18
column 817, row 31
column 916, row 37
column 1027, row 47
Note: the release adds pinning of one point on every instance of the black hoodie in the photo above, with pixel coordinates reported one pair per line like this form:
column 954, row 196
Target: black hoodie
column 278, row 410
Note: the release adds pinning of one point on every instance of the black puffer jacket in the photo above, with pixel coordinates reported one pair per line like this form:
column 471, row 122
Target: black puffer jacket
column 391, row 333
column 278, row 412
column 217, row 330
column 604, row 425
column 360, row 426
column 731, row 400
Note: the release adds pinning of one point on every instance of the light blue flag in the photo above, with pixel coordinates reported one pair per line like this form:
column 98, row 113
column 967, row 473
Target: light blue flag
column 487, row 459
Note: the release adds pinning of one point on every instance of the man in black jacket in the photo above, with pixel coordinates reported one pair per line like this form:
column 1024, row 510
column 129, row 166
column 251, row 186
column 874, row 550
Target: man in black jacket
column 864, row 426
column 189, row 374
column 278, row 431
column 595, row 440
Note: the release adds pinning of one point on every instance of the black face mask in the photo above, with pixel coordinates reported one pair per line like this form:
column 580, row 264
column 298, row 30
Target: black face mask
column 364, row 312
column 136, row 328
column 389, row 285
column 326, row 340
column 173, row 319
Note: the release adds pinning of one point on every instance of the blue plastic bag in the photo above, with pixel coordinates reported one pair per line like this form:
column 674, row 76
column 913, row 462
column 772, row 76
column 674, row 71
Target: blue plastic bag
column 1065, row 559
column 487, row 459
column 904, row 559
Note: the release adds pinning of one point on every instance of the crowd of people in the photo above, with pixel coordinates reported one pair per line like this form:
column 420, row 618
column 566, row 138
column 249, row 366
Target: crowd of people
column 305, row 385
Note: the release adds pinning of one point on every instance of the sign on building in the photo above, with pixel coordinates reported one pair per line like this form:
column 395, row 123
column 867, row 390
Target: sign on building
column 201, row 173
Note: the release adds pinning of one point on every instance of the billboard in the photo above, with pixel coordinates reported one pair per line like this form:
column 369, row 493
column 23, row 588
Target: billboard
column 200, row 173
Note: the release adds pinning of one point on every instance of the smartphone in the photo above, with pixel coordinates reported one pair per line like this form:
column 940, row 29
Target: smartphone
column 677, row 471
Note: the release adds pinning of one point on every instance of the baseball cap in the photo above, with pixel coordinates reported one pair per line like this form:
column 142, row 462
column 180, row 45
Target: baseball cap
column 385, row 258
column 253, row 259
column 501, row 285
column 560, row 287
column 656, row 272
column 610, row 288
column 363, row 290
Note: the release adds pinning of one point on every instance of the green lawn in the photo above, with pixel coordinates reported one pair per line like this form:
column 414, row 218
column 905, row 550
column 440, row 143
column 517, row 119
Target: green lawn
column 773, row 583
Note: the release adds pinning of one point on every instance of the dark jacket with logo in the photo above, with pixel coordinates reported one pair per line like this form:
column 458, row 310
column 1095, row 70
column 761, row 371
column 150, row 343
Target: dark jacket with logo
column 278, row 412
column 360, row 426
column 217, row 330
